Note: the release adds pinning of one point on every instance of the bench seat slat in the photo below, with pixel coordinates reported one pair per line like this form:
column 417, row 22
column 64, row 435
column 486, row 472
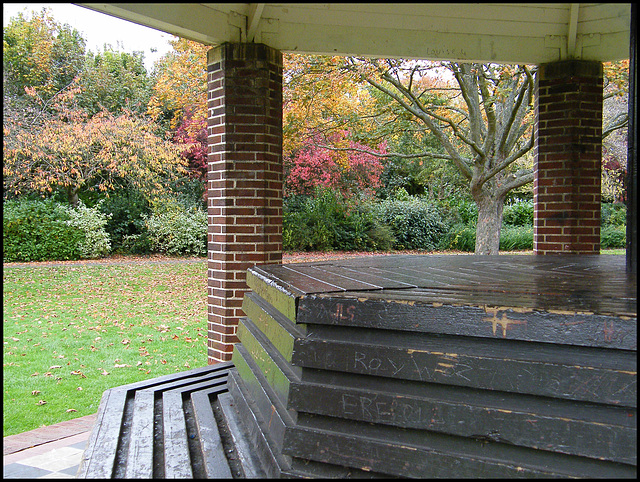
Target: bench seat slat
column 140, row 453
column 177, row 461
column 215, row 461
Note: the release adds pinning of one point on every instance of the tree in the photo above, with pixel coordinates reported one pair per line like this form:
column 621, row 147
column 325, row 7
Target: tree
column 351, row 171
column 179, row 103
column 114, row 81
column 405, row 168
column 319, row 101
column 191, row 137
column 485, row 128
column 78, row 153
column 40, row 53
column 181, row 85
column 615, row 119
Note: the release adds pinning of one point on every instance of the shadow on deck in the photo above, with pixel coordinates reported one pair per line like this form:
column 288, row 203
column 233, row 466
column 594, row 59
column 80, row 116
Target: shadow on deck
column 422, row 366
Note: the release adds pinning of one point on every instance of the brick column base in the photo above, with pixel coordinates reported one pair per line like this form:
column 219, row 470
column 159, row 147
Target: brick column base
column 568, row 158
column 245, row 180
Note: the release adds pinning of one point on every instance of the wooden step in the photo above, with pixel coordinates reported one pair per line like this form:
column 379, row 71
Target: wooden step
column 163, row 428
column 544, row 369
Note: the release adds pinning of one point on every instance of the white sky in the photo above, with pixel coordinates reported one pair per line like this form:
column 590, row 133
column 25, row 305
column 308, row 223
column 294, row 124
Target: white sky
column 99, row 28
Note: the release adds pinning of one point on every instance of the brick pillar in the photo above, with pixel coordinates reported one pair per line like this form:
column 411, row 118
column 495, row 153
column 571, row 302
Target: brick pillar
column 568, row 158
column 245, row 179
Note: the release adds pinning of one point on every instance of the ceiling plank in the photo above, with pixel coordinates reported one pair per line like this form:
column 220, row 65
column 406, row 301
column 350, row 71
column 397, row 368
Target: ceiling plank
column 530, row 33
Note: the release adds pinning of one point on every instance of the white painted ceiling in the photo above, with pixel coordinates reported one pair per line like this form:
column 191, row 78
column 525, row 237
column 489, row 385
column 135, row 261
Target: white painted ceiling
column 531, row 33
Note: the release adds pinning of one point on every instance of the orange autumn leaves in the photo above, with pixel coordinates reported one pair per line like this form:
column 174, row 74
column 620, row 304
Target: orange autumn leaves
column 75, row 153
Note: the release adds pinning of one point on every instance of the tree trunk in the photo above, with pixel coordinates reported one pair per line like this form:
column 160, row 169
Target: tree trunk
column 489, row 224
column 72, row 196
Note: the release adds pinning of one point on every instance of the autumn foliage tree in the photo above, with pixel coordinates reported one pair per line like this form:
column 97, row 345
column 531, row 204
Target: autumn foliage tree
column 326, row 143
column 350, row 170
column 180, row 86
column 179, row 101
column 40, row 53
column 484, row 129
column 75, row 153
column 319, row 101
column 191, row 138
column 614, row 130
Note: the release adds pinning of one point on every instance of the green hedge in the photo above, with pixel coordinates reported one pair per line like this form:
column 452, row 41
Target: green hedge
column 126, row 209
column 415, row 223
column 176, row 229
column 517, row 238
column 519, row 213
column 92, row 223
column 512, row 238
column 42, row 230
column 327, row 221
column 613, row 214
column 39, row 231
column 613, row 237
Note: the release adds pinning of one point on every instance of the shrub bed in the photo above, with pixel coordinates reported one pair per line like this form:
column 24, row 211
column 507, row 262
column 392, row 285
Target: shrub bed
column 327, row 222
column 176, row 229
column 415, row 223
column 36, row 230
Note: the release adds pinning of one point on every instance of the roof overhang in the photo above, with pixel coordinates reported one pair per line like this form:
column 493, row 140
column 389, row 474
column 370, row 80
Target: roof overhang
column 534, row 33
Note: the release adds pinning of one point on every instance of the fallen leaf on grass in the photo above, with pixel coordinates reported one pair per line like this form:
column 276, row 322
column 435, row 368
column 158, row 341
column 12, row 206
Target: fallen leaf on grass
column 104, row 372
column 54, row 367
column 41, row 402
column 79, row 389
column 69, row 410
column 78, row 372
column 35, row 392
column 117, row 365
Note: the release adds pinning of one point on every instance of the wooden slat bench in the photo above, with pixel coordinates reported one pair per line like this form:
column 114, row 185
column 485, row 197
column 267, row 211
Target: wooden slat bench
column 173, row 426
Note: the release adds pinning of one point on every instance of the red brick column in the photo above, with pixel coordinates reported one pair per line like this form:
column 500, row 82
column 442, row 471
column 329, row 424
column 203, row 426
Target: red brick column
column 245, row 179
column 568, row 158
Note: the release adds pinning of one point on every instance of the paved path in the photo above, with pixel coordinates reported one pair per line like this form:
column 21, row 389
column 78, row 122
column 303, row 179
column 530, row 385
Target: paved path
column 48, row 452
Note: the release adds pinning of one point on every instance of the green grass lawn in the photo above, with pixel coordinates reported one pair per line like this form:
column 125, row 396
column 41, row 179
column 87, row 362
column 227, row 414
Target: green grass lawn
column 71, row 332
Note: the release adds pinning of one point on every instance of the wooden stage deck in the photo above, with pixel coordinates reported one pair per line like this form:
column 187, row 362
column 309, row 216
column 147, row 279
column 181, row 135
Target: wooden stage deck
column 441, row 366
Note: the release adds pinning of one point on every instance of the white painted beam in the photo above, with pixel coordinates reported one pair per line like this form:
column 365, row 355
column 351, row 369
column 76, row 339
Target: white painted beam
column 572, row 34
column 253, row 19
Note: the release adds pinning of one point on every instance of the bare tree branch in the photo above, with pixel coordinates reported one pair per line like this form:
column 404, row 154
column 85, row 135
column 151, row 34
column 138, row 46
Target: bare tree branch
column 618, row 122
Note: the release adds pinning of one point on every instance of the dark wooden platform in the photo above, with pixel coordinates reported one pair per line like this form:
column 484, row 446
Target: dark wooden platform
column 441, row 366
